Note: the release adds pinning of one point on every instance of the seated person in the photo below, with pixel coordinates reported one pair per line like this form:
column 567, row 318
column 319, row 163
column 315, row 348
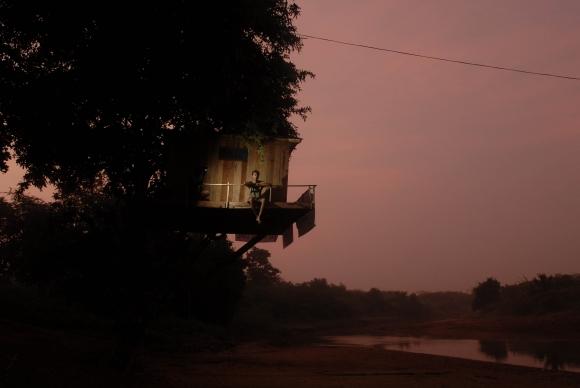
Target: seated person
column 258, row 191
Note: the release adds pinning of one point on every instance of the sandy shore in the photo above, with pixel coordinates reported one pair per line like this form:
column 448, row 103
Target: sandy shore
column 33, row 357
column 315, row 366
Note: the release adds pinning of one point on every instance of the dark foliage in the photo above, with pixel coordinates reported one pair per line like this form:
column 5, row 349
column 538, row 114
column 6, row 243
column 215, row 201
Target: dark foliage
column 258, row 268
column 75, row 250
column 92, row 95
column 486, row 294
column 270, row 301
column 96, row 90
column 447, row 304
column 544, row 294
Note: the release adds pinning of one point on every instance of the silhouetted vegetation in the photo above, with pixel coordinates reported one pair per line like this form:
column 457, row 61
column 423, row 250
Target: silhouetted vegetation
column 65, row 266
column 258, row 269
column 543, row 294
column 99, row 89
column 486, row 294
column 70, row 250
column 91, row 103
column 270, row 301
column 446, row 304
column 92, row 96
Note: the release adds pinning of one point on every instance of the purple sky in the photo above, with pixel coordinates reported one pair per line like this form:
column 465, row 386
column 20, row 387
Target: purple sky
column 433, row 176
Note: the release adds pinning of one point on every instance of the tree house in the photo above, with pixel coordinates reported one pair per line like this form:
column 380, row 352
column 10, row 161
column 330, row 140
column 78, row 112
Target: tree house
column 206, row 180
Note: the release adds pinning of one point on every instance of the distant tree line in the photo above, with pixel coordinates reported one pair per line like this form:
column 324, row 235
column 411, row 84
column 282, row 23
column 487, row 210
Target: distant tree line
column 543, row 294
column 269, row 300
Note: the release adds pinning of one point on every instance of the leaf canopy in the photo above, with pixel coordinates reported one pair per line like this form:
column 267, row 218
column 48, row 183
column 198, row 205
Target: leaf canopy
column 92, row 92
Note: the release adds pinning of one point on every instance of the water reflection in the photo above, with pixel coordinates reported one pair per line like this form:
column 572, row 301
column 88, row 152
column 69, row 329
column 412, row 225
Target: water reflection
column 497, row 350
column 554, row 355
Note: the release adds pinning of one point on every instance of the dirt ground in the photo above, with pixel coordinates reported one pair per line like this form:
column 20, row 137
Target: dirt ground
column 32, row 357
column 313, row 366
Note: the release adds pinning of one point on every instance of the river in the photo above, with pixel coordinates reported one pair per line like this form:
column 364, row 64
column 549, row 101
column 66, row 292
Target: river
column 553, row 355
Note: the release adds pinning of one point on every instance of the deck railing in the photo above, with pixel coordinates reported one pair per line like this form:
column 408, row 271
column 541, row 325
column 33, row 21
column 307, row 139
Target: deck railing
column 311, row 190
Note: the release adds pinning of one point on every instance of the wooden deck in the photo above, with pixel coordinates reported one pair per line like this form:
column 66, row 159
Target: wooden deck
column 214, row 217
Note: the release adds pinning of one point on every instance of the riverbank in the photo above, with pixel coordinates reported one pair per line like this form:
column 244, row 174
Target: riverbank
column 258, row 366
column 32, row 356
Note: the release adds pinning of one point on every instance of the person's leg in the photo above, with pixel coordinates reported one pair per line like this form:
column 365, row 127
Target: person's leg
column 263, row 197
column 262, row 202
column 253, row 206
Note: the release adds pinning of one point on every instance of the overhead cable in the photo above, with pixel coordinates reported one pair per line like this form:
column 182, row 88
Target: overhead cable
column 462, row 62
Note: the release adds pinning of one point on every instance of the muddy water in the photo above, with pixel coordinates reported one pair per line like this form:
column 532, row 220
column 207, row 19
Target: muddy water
column 554, row 355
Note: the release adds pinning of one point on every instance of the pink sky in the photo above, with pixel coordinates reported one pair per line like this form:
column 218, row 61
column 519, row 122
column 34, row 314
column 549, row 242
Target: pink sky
column 433, row 176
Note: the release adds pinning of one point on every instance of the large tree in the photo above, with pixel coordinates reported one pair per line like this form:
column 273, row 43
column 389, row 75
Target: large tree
column 92, row 96
column 92, row 92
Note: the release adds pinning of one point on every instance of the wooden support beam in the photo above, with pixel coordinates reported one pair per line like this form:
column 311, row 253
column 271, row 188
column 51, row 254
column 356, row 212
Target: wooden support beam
column 247, row 246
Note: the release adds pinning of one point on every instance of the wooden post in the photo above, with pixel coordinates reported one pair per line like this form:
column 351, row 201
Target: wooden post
column 228, row 195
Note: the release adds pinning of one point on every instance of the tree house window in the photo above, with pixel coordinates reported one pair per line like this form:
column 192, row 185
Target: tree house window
column 233, row 153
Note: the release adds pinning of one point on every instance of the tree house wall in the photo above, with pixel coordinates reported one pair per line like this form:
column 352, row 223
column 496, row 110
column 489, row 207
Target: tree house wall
column 231, row 160
column 188, row 204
